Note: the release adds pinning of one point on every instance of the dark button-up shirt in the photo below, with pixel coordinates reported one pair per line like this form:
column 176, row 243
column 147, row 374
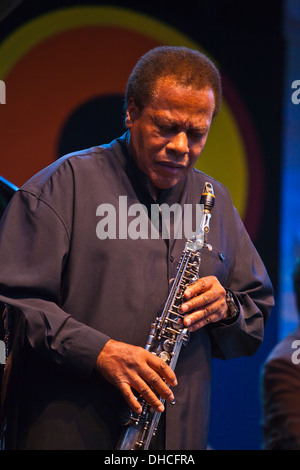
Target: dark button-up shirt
column 75, row 290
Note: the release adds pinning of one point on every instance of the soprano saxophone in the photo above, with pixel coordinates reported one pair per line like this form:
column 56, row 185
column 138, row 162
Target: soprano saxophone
column 168, row 333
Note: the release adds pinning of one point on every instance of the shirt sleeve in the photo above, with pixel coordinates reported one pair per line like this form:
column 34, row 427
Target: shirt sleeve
column 280, row 404
column 250, row 284
column 34, row 244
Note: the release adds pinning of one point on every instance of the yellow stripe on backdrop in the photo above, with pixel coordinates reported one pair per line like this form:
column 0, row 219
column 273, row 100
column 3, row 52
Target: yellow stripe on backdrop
column 224, row 156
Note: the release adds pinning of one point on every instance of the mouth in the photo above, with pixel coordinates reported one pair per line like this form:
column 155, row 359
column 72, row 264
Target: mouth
column 172, row 167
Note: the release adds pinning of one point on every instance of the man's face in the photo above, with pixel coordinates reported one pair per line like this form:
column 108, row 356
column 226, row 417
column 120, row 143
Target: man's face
column 168, row 135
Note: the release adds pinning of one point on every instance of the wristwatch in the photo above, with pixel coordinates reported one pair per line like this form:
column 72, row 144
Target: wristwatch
column 233, row 310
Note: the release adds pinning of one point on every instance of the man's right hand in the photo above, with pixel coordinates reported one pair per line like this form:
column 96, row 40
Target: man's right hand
column 130, row 367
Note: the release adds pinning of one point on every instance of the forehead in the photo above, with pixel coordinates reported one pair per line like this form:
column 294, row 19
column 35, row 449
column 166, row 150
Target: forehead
column 173, row 99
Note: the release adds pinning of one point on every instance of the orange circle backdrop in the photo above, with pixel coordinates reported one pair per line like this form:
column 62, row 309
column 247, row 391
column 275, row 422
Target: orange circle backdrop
column 55, row 63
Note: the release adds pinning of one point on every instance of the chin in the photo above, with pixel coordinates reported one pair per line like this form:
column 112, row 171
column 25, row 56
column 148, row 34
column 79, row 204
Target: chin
column 170, row 182
column 165, row 184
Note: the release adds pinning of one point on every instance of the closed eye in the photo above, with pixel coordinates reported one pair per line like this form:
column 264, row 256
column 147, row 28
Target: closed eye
column 197, row 135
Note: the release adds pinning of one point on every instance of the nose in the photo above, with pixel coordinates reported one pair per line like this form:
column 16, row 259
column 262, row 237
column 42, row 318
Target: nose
column 179, row 144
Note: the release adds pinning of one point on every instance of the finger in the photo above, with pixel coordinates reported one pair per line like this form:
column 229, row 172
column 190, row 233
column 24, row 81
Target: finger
column 200, row 318
column 129, row 396
column 143, row 389
column 201, row 285
column 148, row 394
column 196, row 317
column 159, row 385
column 197, row 302
column 212, row 292
column 162, row 368
column 201, row 323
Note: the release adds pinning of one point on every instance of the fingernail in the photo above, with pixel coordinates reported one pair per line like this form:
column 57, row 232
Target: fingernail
column 187, row 293
column 160, row 408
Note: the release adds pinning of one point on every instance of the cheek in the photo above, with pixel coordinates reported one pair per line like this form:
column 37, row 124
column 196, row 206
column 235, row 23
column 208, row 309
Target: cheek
column 195, row 152
column 145, row 154
column 153, row 149
column 147, row 142
column 193, row 158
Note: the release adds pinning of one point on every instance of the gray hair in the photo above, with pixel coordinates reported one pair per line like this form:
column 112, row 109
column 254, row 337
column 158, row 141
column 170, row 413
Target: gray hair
column 188, row 67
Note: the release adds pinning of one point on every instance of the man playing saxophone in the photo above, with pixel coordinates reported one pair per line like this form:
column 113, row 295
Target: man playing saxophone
column 87, row 304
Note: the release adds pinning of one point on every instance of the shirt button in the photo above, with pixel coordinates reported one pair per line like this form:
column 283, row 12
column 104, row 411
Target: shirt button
column 171, row 258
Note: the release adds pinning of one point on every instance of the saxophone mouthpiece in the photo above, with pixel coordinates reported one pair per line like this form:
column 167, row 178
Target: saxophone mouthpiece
column 208, row 197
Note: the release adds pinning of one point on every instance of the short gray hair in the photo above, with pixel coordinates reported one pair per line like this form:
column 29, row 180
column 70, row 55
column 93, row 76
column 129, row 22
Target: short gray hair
column 188, row 67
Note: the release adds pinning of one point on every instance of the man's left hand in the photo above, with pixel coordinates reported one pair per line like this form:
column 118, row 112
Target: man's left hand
column 205, row 303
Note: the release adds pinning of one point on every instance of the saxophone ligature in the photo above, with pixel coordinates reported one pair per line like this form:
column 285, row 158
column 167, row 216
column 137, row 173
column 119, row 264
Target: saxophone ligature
column 168, row 333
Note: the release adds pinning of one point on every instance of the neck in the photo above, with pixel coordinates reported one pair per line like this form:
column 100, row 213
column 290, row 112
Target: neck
column 154, row 191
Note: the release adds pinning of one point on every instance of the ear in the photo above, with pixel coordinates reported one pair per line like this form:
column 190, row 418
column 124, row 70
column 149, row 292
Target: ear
column 132, row 113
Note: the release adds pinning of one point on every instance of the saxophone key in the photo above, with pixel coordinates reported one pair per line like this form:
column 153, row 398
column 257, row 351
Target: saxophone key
column 168, row 345
column 165, row 356
column 177, row 322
